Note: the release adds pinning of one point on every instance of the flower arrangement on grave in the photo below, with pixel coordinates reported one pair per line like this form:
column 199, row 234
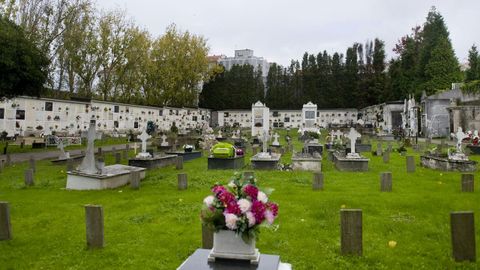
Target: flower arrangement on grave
column 239, row 206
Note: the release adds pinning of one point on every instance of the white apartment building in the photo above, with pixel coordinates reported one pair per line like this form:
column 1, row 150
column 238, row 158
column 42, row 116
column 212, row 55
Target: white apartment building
column 245, row 57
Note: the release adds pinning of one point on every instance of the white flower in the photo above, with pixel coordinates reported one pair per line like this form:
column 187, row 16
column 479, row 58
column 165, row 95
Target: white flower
column 262, row 197
column 269, row 216
column 231, row 221
column 231, row 184
column 244, row 205
column 208, row 200
column 250, row 218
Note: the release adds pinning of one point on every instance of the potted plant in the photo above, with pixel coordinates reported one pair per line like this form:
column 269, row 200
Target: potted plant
column 235, row 212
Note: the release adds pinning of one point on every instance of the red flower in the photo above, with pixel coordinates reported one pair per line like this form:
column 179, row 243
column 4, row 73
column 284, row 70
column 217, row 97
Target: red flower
column 251, row 191
column 218, row 189
column 233, row 208
column 258, row 210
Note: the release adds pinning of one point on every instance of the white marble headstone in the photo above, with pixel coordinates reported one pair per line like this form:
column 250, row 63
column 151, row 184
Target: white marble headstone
column 275, row 139
column 144, row 137
column 353, row 135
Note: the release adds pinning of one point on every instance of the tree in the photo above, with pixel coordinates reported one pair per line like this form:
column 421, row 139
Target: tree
column 473, row 72
column 23, row 67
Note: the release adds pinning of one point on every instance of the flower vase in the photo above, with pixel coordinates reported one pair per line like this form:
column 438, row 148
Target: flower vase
column 228, row 245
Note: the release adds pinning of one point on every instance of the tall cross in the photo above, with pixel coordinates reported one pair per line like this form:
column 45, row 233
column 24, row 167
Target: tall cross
column 144, row 137
column 460, row 135
column 353, row 135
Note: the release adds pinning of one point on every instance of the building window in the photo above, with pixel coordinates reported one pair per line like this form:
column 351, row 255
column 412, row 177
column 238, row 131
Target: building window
column 135, row 124
column 160, row 112
column 115, row 124
column 2, row 113
column 275, row 114
column 226, row 114
column 287, row 119
column 48, row 106
column 116, row 109
column 194, row 118
column 20, row 115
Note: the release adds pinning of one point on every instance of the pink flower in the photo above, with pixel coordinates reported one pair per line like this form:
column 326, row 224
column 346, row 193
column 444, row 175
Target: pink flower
column 226, row 197
column 258, row 210
column 244, row 205
column 208, row 201
column 272, row 207
column 233, row 208
column 250, row 218
column 269, row 216
column 231, row 221
column 262, row 197
column 218, row 189
column 251, row 191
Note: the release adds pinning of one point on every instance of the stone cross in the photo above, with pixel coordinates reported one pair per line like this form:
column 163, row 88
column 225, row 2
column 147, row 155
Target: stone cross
column 353, row 135
column 219, row 134
column 275, row 141
column 144, row 137
column 88, row 164
column 164, row 140
column 460, row 135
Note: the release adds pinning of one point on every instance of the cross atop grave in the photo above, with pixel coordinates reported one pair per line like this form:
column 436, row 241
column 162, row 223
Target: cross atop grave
column 275, row 141
column 353, row 135
column 460, row 135
column 144, row 137
column 164, row 140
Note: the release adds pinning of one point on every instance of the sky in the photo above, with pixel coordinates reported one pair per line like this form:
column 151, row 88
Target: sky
column 281, row 30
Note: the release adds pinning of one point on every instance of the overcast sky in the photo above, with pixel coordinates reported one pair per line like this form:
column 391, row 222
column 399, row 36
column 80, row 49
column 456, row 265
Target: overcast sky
column 281, row 30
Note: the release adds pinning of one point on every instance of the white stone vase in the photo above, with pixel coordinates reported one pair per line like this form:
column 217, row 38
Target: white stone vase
column 228, row 245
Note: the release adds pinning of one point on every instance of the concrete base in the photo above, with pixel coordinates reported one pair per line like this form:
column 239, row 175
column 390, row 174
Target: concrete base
column 307, row 164
column 350, row 164
column 226, row 163
column 113, row 176
column 444, row 164
column 361, row 147
column 153, row 162
column 187, row 155
column 265, row 164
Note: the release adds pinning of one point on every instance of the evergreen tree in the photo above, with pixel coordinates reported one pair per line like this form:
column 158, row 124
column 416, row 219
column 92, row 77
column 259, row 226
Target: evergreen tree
column 473, row 72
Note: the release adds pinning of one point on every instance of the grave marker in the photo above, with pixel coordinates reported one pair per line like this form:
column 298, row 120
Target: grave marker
column 118, row 158
column 8, row 161
column 386, row 157
column 135, row 179
column 379, row 149
column 462, row 227
column 94, row 226
column 179, row 163
column 29, row 178
column 468, row 182
column 410, row 164
column 182, row 181
column 351, row 231
column 5, row 225
column 317, row 181
column 386, row 182
column 32, row 164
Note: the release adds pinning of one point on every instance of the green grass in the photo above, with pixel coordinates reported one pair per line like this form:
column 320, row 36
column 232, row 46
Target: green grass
column 15, row 148
column 158, row 227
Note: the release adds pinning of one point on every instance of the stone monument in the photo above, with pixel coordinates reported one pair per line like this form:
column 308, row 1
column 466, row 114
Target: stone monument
column 275, row 139
column 260, row 119
column 353, row 135
column 164, row 141
column 144, row 137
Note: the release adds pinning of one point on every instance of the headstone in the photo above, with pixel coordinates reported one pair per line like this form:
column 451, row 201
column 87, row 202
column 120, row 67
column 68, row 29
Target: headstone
column 379, row 149
column 29, row 178
column 164, row 140
column 275, row 139
column 248, row 175
column 179, row 163
column 462, row 226
column 144, row 137
column 182, row 181
column 351, row 231
column 88, row 164
column 410, row 164
column 468, row 182
column 353, row 135
column 94, row 226
column 69, row 165
column 118, row 157
column 317, row 181
column 32, row 164
column 386, row 182
column 63, row 155
column 135, row 179
column 207, row 237
column 5, row 225
column 386, row 157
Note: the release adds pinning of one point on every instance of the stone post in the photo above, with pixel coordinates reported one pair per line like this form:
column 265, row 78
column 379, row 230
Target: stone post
column 135, row 179
column 386, row 157
column 207, row 237
column 8, row 160
column 317, row 181
column 5, row 225
column 379, row 149
column 468, row 182
column 182, row 181
column 32, row 164
column 29, row 178
column 462, row 227
column 179, row 163
column 351, row 231
column 94, row 226
column 410, row 164
column 386, row 182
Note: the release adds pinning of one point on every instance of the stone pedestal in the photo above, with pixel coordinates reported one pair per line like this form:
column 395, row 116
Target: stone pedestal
column 234, row 163
column 153, row 162
column 342, row 163
column 112, row 176
column 262, row 163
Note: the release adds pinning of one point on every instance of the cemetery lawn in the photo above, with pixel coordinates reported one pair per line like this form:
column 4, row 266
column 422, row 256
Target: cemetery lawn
column 158, row 227
column 15, row 148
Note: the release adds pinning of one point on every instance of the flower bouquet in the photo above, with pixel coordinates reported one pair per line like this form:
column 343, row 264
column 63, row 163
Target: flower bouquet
column 235, row 212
